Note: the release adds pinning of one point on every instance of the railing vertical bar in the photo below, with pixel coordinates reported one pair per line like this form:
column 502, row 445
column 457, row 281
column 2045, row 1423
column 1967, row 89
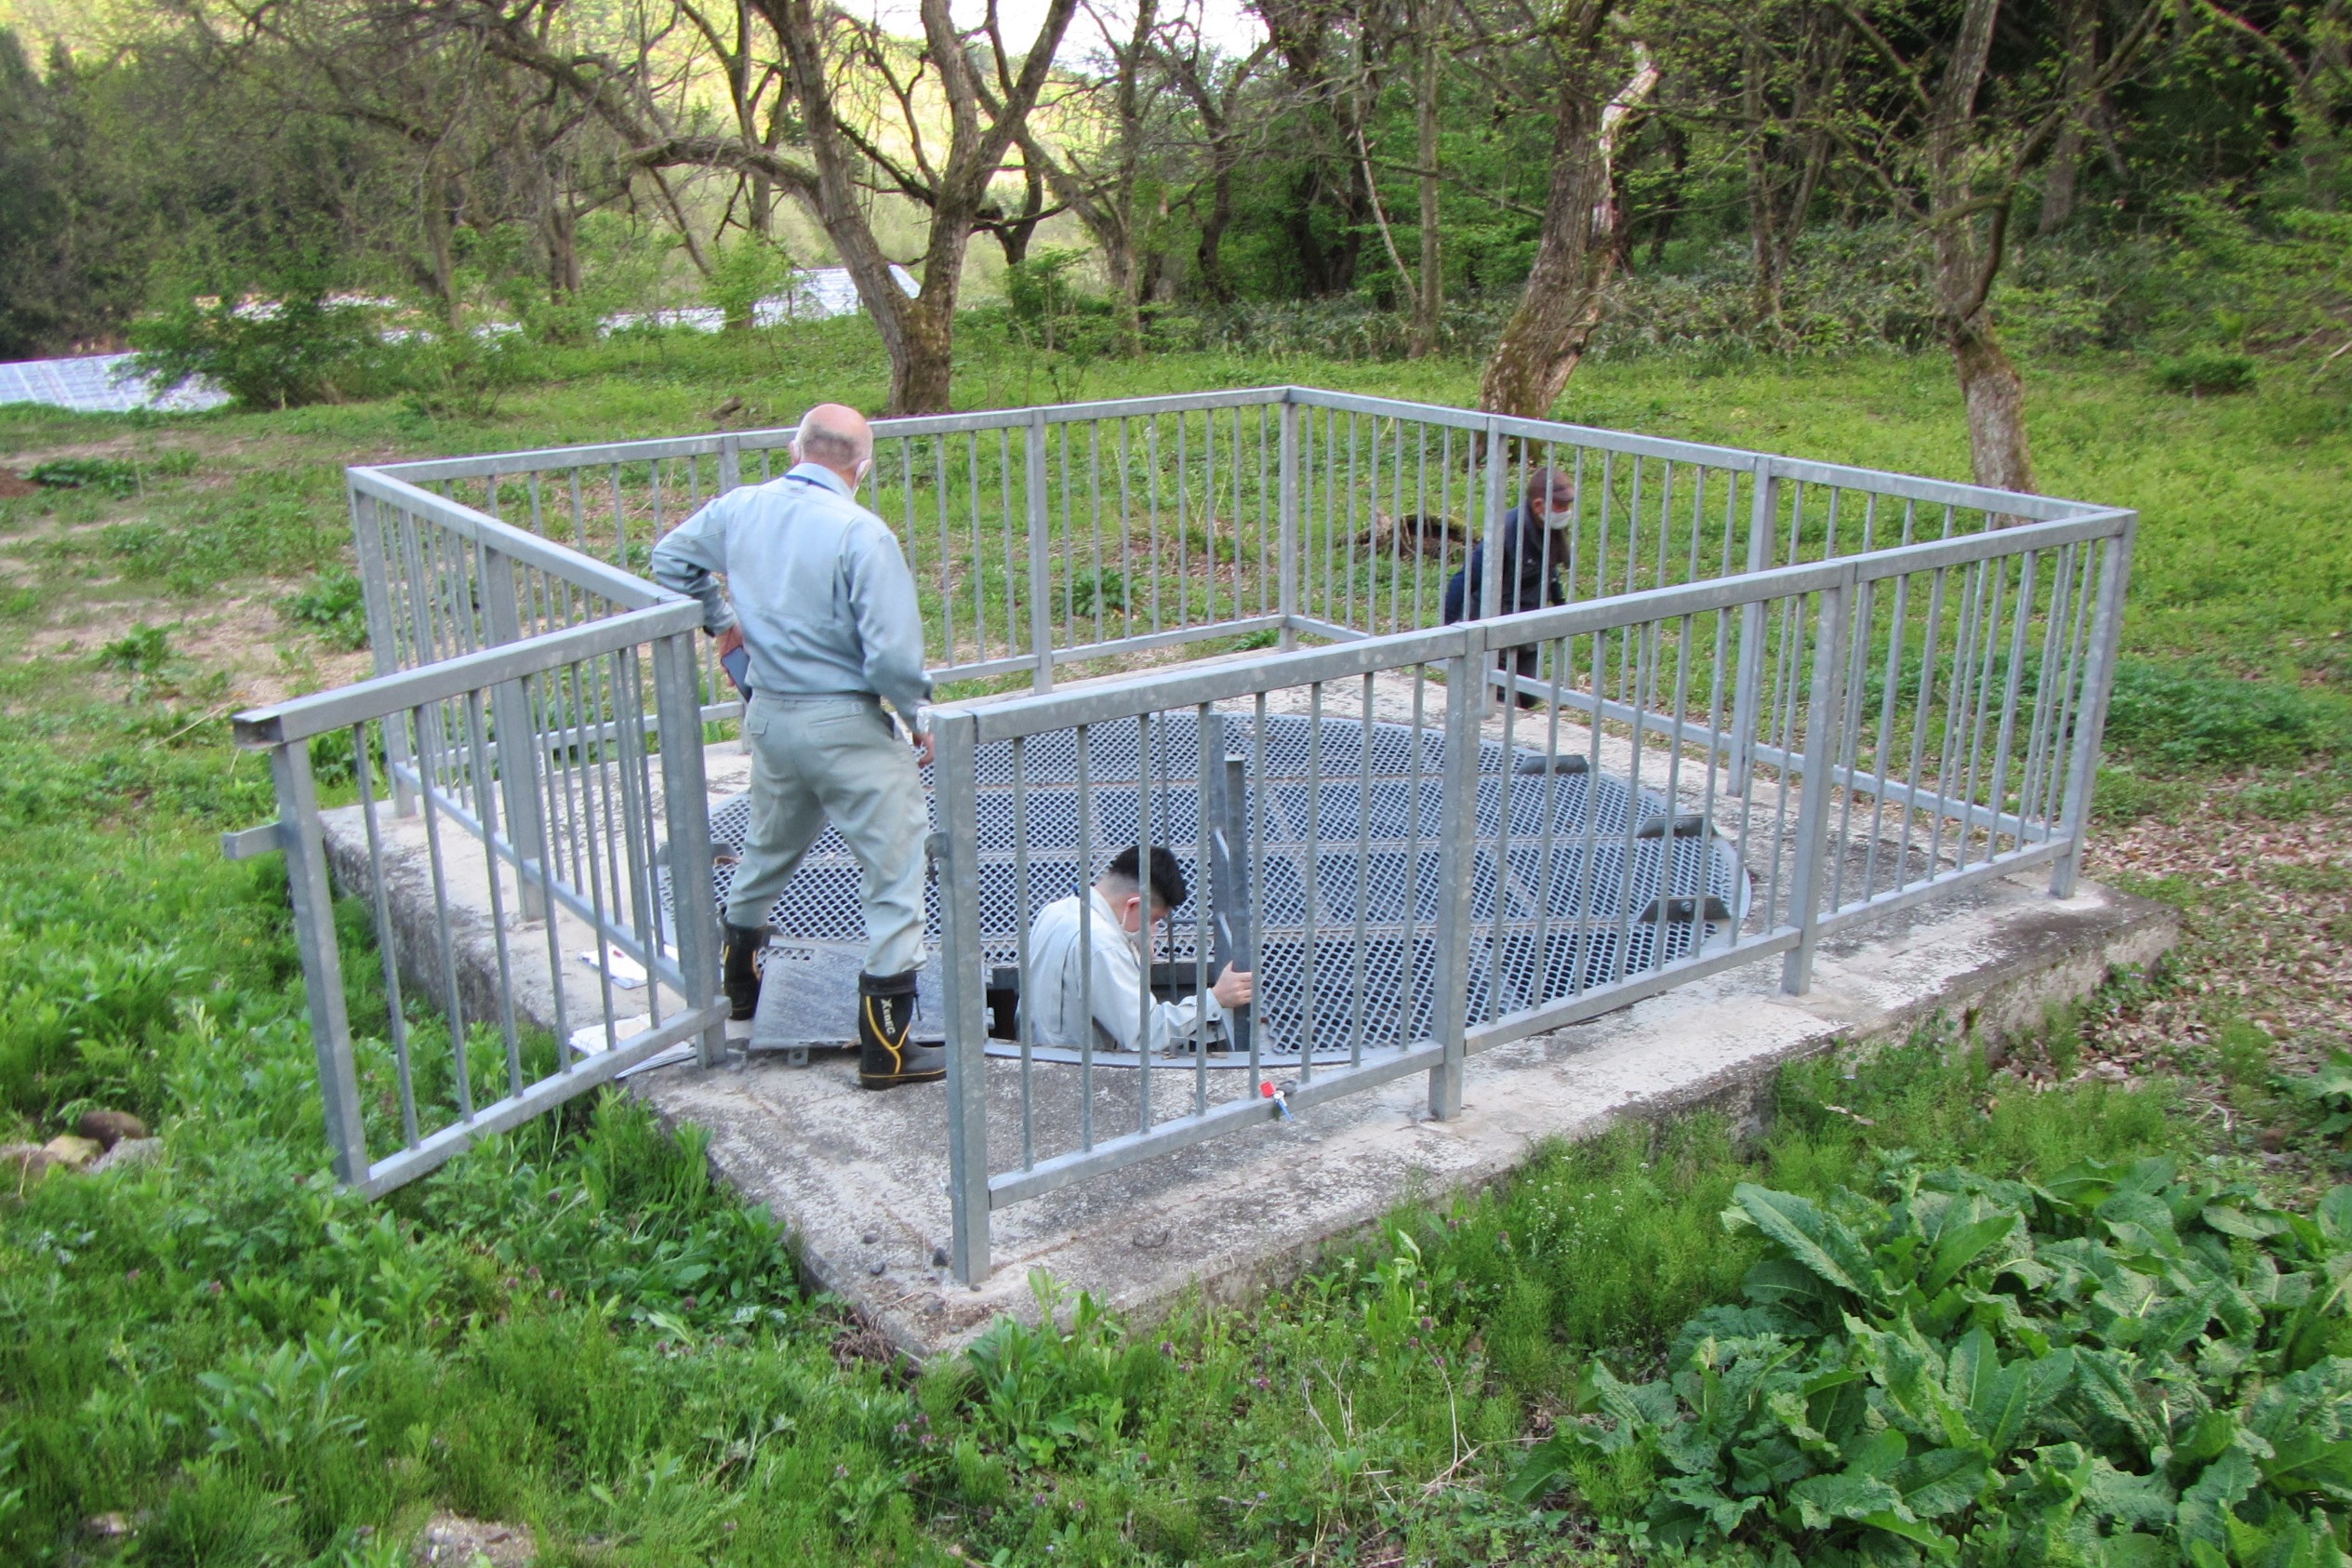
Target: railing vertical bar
column 387, row 943
column 1923, row 706
column 477, row 736
column 684, row 797
column 2098, row 681
column 1466, row 690
column 1025, row 1024
column 1997, row 785
column 453, row 1002
column 961, row 954
column 1311, row 886
column 314, row 910
column 1264, row 794
column 1364, row 875
column 1812, row 824
column 1086, row 938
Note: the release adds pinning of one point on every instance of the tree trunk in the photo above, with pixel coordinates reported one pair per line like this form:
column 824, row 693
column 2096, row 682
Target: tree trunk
column 1209, row 252
column 1546, row 337
column 1576, row 252
column 1428, row 298
column 1764, row 299
column 563, row 248
column 1995, row 398
column 1678, row 152
column 440, row 251
column 2062, row 177
column 2060, row 181
column 922, row 369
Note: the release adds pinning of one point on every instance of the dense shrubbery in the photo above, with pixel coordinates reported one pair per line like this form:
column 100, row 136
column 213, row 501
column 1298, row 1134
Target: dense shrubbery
column 300, row 346
column 2115, row 1366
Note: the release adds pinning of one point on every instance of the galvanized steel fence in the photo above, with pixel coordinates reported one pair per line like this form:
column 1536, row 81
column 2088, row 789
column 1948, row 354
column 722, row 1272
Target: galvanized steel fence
column 1781, row 696
column 1712, row 772
column 533, row 748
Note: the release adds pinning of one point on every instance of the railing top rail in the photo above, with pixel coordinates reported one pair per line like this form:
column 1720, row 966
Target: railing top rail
column 597, row 455
column 1937, row 492
column 303, row 717
column 1007, row 718
column 623, row 588
column 605, row 453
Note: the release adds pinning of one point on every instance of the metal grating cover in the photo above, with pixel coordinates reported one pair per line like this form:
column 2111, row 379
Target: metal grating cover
column 1570, row 916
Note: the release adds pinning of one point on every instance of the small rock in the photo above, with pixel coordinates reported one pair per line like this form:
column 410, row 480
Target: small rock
column 106, row 1526
column 71, row 1152
column 22, row 1164
column 111, row 1128
column 454, row 1541
column 731, row 406
column 938, row 1257
column 130, row 1151
column 871, row 1237
column 877, row 1268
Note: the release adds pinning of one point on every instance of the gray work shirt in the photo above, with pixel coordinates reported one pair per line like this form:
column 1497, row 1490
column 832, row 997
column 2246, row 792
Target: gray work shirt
column 826, row 604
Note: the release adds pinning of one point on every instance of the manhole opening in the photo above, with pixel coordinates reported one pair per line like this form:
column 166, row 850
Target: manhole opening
column 1345, row 913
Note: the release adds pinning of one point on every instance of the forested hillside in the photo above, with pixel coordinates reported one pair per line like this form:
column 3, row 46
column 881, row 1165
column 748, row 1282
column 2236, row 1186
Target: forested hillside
column 1525, row 185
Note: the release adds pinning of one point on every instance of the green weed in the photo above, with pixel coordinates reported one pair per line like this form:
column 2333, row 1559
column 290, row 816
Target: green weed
column 1947, row 1369
column 333, row 606
column 2187, row 719
column 97, row 473
column 2203, row 373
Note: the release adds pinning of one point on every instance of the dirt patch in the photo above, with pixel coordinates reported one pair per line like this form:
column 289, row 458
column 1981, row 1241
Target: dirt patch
column 2260, row 981
column 264, row 658
column 2269, row 934
column 13, row 483
column 450, row 1540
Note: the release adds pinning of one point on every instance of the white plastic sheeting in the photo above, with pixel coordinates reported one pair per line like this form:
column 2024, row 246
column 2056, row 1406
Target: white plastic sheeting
column 100, row 384
column 104, row 383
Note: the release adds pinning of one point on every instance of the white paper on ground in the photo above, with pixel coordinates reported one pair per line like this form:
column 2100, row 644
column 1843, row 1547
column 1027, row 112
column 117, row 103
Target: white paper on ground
column 626, row 972
column 589, row 1040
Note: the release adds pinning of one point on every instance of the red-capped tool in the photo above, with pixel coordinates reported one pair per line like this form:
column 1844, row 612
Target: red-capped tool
column 1281, row 1101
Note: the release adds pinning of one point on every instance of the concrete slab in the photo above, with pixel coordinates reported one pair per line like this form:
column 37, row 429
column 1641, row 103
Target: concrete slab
column 859, row 1178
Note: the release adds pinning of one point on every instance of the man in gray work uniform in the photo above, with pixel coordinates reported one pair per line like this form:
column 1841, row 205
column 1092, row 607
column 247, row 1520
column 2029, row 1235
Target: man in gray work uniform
column 825, row 607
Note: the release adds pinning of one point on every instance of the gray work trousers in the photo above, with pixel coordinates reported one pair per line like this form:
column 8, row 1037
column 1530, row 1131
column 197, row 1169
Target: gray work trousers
column 815, row 757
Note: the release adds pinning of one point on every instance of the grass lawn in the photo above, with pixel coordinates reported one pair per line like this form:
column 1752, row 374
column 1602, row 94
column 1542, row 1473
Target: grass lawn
column 219, row 1359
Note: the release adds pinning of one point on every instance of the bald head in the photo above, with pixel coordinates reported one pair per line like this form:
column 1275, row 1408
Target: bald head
column 836, row 438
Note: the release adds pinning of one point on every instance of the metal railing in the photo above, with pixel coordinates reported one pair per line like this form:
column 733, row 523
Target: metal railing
column 535, row 742
column 1782, row 697
column 1714, row 772
column 1092, row 532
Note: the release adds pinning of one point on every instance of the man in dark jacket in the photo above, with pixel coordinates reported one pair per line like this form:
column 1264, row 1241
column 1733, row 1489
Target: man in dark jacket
column 1535, row 542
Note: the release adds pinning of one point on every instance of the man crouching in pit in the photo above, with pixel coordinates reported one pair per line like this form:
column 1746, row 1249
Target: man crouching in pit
column 1092, row 951
column 825, row 607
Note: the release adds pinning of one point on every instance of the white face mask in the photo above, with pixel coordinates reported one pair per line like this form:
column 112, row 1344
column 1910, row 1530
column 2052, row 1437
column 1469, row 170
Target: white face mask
column 1131, row 919
column 864, row 467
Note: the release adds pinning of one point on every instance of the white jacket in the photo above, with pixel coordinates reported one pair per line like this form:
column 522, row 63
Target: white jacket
column 1057, row 998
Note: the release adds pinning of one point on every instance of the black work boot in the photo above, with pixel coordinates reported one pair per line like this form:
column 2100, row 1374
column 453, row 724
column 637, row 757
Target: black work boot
column 739, row 974
column 888, row 1056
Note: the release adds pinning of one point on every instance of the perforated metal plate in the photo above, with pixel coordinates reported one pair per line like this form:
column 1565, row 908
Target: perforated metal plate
column 1349, row 870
